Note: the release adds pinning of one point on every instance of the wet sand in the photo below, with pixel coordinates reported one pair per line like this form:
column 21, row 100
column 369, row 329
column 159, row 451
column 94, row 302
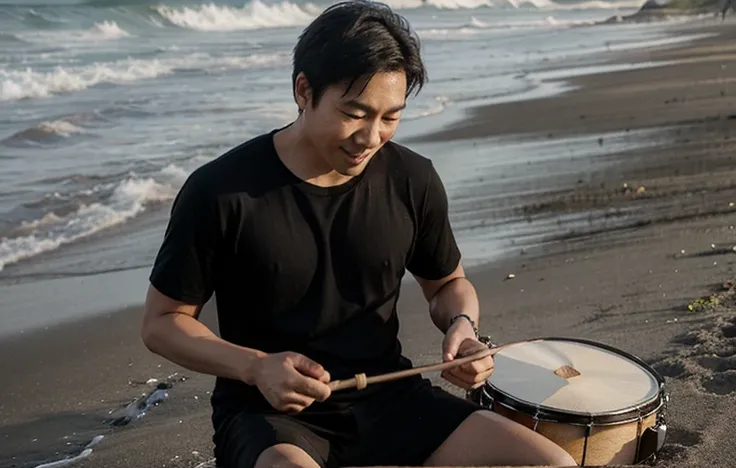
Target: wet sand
column 626, row 283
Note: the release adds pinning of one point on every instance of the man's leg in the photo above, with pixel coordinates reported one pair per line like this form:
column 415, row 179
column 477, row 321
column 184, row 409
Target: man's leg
column 487, row 438
column 255, row 440
column 285, row 456
column 415, row 423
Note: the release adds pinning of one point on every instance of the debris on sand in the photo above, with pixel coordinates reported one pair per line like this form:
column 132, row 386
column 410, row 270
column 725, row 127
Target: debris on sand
column 139, row 407
column 726, row 297
column 86, row 452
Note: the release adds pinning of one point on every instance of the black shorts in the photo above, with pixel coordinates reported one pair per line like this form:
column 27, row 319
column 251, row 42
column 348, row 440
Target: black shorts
column 400, row 425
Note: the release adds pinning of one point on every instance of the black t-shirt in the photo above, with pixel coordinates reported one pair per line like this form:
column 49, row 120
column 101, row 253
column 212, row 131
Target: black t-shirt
column 297, row 267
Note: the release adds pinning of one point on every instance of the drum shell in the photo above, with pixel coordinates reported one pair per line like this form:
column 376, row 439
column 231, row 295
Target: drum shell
column 613, row 444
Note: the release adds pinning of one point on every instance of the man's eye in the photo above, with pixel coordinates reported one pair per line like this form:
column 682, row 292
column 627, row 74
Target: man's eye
column 352, row 116
column 390, row 119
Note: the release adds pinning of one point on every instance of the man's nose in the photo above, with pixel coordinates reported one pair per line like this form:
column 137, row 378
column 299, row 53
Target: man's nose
column 370, row 135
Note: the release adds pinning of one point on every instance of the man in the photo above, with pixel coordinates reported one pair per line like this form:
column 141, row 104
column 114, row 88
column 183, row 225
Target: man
column 304, row 235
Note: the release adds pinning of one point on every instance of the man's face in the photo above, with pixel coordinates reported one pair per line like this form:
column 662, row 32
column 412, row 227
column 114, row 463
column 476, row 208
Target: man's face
column 348, row 128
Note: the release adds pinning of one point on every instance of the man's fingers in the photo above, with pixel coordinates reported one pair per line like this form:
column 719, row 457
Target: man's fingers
column 310, row 387
column 325, row 377
column 295, row 398
column 308, row 367
column 292, row 409
column 470, row 346
column 467, row 379
column 450, row 348
column 478, row 366
column 471, row 377
column 292, row 403
column 453, row 380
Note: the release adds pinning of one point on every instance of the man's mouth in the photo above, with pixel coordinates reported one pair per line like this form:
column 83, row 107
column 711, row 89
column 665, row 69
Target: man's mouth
column 355, row 157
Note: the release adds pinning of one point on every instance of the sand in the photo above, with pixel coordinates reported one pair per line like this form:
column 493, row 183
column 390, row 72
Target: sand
column 627, row 283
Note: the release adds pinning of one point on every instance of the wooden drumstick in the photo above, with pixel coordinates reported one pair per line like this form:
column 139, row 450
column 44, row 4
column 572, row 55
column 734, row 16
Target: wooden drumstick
column 360, row 381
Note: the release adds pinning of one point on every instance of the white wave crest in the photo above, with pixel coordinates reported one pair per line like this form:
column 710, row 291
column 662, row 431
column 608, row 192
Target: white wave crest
column 439, row 4
column 590, row 5
column 476, row 23
column 255, row 15
column 547, row 22
column 109, row 30
column 128, row 199
column 449, row 33
column 48, row 219
column 60, row 127
column 475, row 27
column 105, row 31
column 175, row 174
column 28, row 83
column 438, row 107
column 459, row 4
column 540, row 4
column 23, row 84
column 44, row 132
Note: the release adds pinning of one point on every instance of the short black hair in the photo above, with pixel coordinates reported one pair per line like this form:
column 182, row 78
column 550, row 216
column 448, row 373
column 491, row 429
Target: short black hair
column 357, row 38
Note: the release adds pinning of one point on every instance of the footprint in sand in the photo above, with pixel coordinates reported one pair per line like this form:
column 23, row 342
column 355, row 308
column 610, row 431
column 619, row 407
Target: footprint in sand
column 706, row 355
column 729, row 331
column 721, row 361
column 688, row 339
column 678, row 441
column 718, row 364
column 672, row 369
column 720, row 384
column 684, row 437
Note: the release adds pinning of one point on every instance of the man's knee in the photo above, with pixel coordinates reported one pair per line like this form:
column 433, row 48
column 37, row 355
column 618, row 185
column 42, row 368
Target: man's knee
column 562, row 458
column 551, row 452
column 489, row 438
column 285, row 456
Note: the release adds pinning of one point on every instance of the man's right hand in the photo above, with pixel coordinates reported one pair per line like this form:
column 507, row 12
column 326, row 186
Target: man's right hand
column 291, row 381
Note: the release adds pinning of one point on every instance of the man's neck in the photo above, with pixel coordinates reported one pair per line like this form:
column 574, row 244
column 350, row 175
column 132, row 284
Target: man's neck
column 298, row 154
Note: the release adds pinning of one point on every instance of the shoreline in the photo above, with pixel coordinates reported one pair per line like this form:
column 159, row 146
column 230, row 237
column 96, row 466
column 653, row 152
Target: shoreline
column 70, row 258
column 622, row 89
column 628, row 287
column 682, row 167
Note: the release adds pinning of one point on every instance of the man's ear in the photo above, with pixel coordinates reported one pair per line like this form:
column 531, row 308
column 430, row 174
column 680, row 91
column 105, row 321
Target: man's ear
column 302, row 92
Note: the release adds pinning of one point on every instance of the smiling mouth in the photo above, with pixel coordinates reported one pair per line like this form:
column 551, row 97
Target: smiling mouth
column 359, row 157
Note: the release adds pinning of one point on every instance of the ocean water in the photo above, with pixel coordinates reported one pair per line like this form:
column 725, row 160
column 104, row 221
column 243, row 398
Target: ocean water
column 106, row 106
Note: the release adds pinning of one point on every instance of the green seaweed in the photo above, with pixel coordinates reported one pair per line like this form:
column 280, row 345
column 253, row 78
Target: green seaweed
column 704, row 303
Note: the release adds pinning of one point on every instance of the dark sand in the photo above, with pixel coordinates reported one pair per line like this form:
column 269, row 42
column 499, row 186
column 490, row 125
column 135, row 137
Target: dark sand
column 628, row 286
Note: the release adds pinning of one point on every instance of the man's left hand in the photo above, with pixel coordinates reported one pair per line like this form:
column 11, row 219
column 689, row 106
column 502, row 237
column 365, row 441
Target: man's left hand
column 460, row 341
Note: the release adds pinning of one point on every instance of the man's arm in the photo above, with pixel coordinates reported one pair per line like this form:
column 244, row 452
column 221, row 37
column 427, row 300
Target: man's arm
column 436, row 264
column 172, row 330
column 449, row 296
column 290, row 382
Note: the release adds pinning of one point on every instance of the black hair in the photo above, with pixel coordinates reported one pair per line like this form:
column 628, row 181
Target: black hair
column 357, row 38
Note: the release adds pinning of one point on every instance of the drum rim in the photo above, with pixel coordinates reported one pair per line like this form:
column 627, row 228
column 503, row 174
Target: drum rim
column 546, row 413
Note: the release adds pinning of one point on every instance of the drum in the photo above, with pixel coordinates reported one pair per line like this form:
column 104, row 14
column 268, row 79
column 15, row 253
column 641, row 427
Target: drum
column 600, row 404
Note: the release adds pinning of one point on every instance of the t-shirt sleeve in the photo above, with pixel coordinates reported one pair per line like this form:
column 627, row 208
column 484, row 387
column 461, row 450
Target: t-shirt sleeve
column 435, row 254
column 185, row 264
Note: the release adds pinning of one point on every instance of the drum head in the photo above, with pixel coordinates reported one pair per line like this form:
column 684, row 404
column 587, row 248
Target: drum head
column 573, row 377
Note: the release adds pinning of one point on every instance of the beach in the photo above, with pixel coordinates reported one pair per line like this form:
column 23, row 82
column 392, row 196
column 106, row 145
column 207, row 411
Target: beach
column 623, row 249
